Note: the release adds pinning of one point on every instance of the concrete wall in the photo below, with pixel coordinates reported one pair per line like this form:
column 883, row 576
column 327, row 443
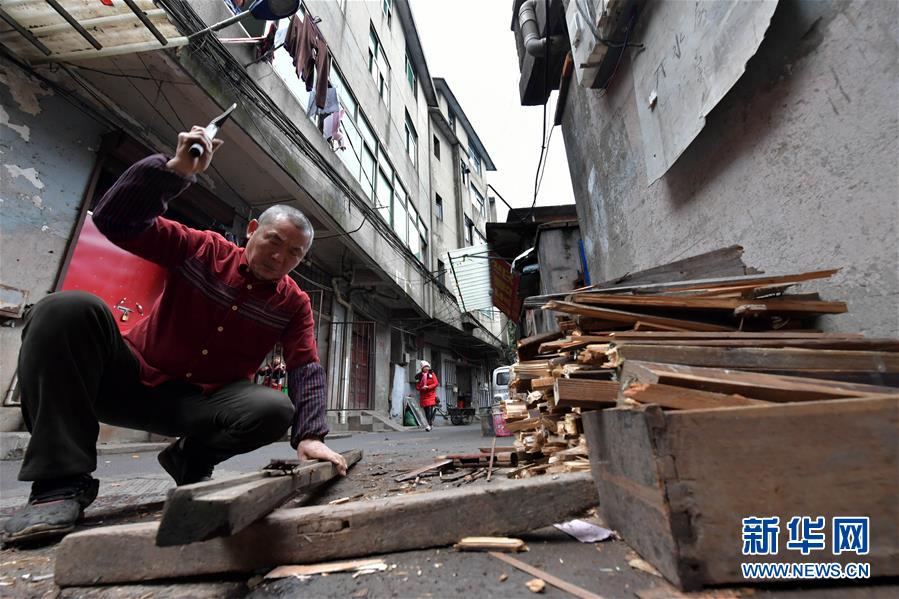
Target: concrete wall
column 797, row 164
column 47, row 154
column 443, row 233
column 560, row 262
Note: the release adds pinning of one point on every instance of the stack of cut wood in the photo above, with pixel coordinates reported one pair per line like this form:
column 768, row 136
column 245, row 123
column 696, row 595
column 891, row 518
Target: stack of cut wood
column 672, row 337
column 548, row 435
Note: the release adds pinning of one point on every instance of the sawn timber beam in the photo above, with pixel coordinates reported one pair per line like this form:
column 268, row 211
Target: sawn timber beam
column 128, row 552
column 224, row 507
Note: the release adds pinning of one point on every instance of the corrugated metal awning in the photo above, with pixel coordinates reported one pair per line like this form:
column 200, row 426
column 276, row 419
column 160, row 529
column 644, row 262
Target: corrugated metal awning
column 55, row 30
column 470, row 277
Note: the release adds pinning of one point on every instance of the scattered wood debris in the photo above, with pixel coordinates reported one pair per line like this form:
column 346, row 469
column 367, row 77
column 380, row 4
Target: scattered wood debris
column 362, row 565
column 546, row 577
column 490, row 544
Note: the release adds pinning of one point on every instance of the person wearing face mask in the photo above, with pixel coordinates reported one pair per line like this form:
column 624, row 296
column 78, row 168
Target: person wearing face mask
column 186, row 369
column 427, row 389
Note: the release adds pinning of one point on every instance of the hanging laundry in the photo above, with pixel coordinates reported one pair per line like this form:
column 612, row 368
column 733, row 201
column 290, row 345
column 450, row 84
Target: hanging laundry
column 332, row 130
column 236, row 6
column 332, row 105
column 265, row 49
column 307, row 46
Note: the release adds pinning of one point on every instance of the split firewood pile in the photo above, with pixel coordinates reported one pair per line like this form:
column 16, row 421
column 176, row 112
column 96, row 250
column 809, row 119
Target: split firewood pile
column 673, row 337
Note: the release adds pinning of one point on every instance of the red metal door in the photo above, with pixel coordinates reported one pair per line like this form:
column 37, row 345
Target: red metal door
column 129, row 285
column 360, row 364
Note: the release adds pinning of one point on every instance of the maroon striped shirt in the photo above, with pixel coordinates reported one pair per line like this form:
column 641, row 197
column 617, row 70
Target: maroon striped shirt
column 215, row 321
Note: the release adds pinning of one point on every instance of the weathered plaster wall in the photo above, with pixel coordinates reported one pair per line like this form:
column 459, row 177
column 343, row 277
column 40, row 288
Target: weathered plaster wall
column 560, row 263
column 797, row 164
column 47, row 153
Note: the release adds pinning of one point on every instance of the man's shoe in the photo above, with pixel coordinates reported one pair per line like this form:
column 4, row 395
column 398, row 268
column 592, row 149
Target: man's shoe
column 185, row 468
column 52, row 510
column 428, row 428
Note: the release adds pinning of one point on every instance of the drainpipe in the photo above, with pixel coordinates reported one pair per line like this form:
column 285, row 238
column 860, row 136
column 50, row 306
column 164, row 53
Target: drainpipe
column 533, row 43
column 344, row 389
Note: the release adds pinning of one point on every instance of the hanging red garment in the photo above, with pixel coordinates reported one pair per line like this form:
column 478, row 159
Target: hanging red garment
column 307, row 46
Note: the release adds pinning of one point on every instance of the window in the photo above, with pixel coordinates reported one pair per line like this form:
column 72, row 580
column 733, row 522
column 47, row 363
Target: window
column 400, row 221
column 452, row 121
column 387, row 6
column 469, row 228
column 478, row 202
column 384, row 191
column 436, row 148
column 478, row 238
column 411, row 140
column 441, row 272
column 475, row 161
column 465, row 171
column 378, row 65
column 438, row 206
column 411, row 78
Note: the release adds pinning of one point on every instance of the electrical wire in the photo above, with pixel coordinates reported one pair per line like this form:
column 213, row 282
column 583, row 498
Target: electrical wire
column 121, row 74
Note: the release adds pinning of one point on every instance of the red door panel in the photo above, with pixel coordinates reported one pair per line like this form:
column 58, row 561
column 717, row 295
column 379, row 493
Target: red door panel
column 129, row 285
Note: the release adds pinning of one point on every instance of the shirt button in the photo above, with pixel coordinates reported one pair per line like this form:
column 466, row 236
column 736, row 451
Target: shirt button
column 249, row 286
column 220, row 329
column 204, row 352
column 234, row 308
column 188, row 375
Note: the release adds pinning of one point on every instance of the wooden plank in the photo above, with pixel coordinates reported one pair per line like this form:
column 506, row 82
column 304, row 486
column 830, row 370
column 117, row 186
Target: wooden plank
column 750, row 358
column 673, row 483
column 492, row 456
column 426, row 468
column 326, row 568
column 770, row 387
column 726, row 335
column 572, row 589
column 216, row 508
column 586, row 394
column 497, row 449
column 723, row 262
column 538, row 339
column 646, row 326
column 684, row 398
column 128, row 553
column 718, row 282
column 890, row 345
column 785, row 454
column 528, row 347
column 490, row 544
column 776, row 305
column 631, row 317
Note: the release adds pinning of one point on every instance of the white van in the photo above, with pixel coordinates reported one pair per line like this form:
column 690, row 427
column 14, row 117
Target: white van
column 500, row 384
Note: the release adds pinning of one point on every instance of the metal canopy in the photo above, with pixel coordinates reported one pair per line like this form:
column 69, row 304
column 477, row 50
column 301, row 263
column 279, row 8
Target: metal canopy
column 39, row 30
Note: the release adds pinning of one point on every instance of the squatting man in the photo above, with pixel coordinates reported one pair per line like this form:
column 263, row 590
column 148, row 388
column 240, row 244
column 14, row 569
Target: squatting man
column 184, row 371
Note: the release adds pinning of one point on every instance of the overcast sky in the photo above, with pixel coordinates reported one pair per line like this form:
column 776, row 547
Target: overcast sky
column 470, row 44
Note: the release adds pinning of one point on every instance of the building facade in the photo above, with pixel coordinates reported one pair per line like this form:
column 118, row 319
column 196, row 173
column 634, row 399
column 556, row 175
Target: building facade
column 75, row 118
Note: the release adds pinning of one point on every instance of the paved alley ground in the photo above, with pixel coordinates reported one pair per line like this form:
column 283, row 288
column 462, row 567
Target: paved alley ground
column 137, row 482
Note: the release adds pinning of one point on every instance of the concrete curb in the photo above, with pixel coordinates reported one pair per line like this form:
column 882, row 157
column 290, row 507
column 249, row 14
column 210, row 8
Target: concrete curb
column 12, row 446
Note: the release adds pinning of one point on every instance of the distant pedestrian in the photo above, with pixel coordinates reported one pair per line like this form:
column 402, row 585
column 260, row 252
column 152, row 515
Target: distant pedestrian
column 427, row 389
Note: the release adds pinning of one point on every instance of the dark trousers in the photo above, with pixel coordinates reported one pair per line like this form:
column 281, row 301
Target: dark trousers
column 75, row 371
column 430, row 412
